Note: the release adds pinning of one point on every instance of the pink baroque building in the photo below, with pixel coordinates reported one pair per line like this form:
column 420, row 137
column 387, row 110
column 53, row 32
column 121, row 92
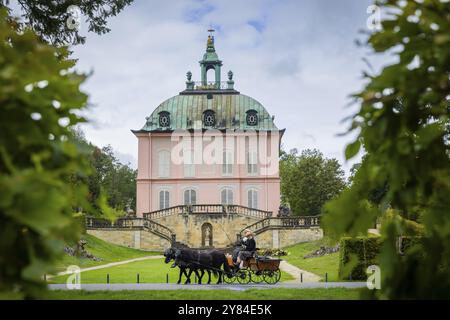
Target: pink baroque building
column 209, row 145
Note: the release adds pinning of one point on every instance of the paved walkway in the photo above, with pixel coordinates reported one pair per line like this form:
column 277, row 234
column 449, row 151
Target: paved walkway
column 298, row 274
column 112, row 264
column 236, row 287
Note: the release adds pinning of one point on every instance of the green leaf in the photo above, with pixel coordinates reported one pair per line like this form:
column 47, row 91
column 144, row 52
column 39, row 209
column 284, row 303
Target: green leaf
column 352, row 149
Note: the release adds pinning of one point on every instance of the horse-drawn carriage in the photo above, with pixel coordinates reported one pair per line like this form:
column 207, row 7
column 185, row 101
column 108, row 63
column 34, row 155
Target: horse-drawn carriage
column 255, row 269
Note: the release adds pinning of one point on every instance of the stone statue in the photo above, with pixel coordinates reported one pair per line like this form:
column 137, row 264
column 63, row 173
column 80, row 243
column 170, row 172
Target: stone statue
column 189, row 75
column 207, row 237
column 230, row 75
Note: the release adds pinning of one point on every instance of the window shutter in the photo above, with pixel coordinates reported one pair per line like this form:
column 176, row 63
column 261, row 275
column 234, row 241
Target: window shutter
column 193, row 197
column 230, row 196
column 163, row 199
column 253, row 199
column 164, row 163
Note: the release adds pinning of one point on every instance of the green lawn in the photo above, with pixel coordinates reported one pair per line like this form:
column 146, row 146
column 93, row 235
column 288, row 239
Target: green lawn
column 318, row 265
column 150, row 271
column 266, row 294
column 106, row 251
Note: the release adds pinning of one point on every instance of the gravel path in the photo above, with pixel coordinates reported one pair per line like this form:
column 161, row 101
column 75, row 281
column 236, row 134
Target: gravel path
column 237, row 287
column 112, row 264
column 298, row 274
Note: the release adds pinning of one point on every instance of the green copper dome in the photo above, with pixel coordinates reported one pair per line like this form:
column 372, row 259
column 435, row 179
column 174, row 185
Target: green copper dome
column 209, row 105
column 230, row 112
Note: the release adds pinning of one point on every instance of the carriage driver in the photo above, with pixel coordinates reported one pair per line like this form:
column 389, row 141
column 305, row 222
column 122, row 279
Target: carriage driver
column 246, row 249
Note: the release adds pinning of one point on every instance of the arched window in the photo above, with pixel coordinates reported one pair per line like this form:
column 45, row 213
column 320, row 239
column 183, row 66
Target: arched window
column 190, row 197
column 252, row 198
column 163, row 199
column 164, row 164
column 227, row 165
column 226, row 196
column 252, row 118
column 209, row 118
column 164, row 119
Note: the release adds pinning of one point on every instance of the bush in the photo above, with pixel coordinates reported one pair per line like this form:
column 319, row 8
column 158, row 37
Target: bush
column 356, row 254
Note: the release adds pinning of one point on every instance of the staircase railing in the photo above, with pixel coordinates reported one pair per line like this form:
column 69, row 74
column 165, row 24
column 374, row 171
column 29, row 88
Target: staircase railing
column 160, row 230
column 246, row 211
column 132, row 223
column 120, row 223
column 165, row 212
column 302, row 222
column 209, row 209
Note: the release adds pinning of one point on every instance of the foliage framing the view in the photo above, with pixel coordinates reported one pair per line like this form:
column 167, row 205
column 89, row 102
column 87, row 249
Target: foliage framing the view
column 40, row 100
column 403, row 124
column 48, row 18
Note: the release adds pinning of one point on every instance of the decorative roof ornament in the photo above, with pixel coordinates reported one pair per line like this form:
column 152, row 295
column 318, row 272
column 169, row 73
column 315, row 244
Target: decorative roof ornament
column 210, row 41
column 230, row 82
column 189, row 82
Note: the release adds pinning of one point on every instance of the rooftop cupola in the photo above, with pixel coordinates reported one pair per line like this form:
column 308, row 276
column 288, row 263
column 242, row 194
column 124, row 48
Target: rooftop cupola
column 210, row 61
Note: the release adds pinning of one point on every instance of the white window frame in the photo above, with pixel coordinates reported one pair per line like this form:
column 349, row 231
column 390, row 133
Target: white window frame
column 166, row 199
column 164, row 163
column 228, row 198
column 252, row 198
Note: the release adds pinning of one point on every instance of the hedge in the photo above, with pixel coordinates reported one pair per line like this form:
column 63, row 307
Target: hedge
column 360, row 253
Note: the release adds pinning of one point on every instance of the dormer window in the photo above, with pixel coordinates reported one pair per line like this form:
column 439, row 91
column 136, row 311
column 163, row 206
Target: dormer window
column 164, row 119
column 252, row 118
column 209, row 118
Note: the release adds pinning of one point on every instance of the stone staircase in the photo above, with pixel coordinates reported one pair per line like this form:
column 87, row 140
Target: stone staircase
column 147, row 223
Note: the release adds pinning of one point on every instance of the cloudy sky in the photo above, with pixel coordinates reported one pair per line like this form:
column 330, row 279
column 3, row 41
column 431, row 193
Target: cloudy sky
column 298, row 58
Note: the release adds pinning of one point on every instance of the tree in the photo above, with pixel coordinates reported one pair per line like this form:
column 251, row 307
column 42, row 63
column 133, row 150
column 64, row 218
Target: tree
column 109, row 178
column 309, row 180
column 49, row 18
column 403, row 124
column 116, row 179
column 40, row 100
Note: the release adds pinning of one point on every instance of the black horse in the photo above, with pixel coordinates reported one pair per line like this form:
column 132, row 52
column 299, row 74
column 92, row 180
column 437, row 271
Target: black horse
column 209, row 260
column 169, row 255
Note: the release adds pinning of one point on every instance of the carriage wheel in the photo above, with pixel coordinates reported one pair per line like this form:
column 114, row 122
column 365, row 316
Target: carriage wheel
column 272, row 277
column 227, row 279
column 243, row 276
column 257, row 276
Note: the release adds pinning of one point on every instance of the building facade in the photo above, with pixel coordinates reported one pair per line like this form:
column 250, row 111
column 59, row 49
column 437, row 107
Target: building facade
column 209, row 144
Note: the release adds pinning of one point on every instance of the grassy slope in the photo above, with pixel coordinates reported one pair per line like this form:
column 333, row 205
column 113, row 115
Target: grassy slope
column 150, row 271
column 318, row 265
column 269, row 294
column 106, row 251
